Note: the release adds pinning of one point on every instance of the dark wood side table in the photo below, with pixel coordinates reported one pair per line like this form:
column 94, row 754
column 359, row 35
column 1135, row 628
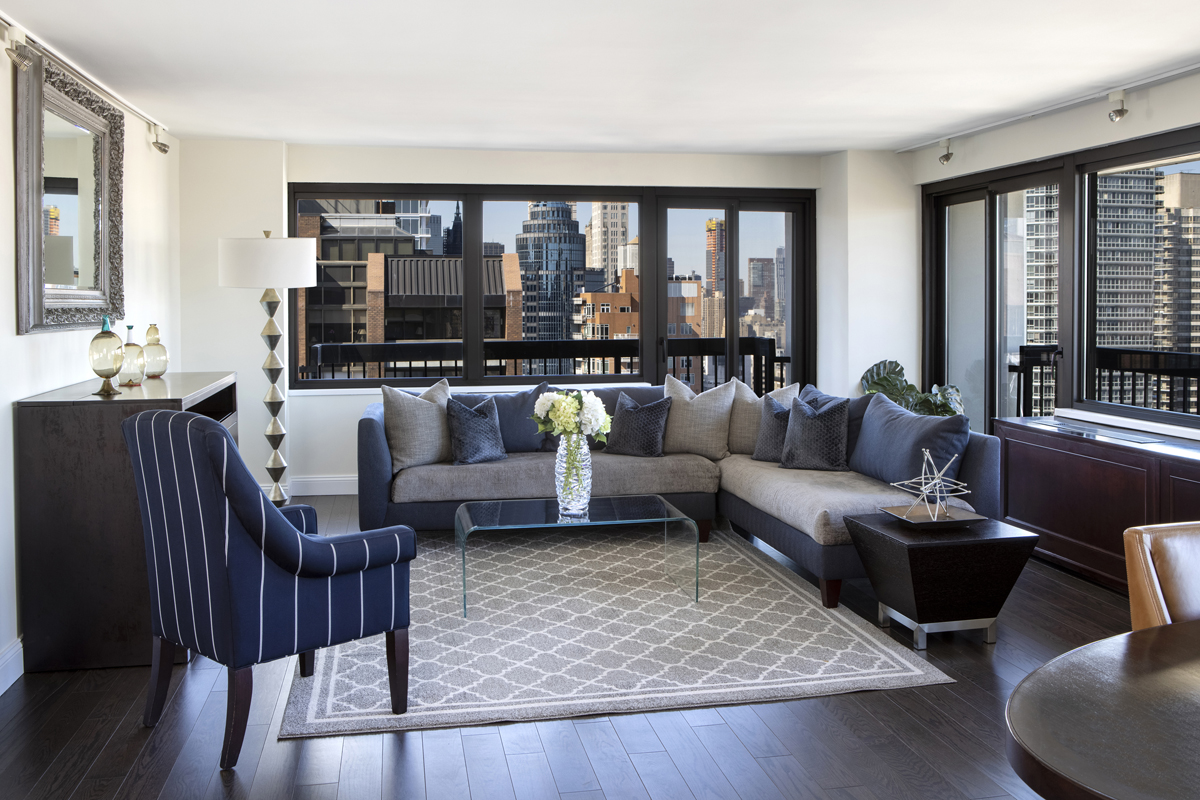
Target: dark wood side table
column 1118, row 718
column 948, row 579
column 84, row 595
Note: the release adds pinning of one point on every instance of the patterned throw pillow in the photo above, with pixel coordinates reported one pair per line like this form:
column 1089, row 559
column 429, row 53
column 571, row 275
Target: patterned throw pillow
column 638, row 430
column 858, row 408
column 475, row 432
column 746, row 414
column 698, row 423
column 772, row 430
column 415, row 426
column 816, row 439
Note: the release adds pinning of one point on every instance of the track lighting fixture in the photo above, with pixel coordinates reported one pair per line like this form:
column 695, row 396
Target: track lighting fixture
column 161, row 147
column 14, row 38
column 1117, row 114
column 945, row 157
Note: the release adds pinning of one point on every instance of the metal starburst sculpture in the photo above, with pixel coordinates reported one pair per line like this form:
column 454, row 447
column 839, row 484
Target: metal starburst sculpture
column 933, row 488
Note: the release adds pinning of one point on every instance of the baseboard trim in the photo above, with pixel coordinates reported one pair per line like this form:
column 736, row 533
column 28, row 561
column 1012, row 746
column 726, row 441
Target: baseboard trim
column 12, row 664
column 323, row 484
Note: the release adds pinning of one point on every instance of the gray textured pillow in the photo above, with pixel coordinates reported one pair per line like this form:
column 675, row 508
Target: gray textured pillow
column 475, row 432
column 698, row 423
column 746, row 413
column 772, row 431
column 858, row 407
column 416, row 427
column 890, row 444
column 816, row 439
column 519, row 431
column 638, row 430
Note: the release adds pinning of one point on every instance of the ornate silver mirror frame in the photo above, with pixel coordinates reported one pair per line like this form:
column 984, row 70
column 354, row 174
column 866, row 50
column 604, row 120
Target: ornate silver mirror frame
column 45, row 87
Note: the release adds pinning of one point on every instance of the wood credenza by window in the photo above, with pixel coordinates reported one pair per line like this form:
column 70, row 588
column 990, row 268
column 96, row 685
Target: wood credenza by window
column 84, row 594
column 1081, row 485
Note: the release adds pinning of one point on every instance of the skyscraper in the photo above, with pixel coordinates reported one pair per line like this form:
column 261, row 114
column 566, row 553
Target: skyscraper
column 609, row 232
column 452, row 237
column 761, row 288
column 551, row 251
column 1177, row 264
column 714, row 255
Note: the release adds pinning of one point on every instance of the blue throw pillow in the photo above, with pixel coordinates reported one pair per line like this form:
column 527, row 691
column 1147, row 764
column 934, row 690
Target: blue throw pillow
column 816, row 439
column 474, row 432
column 772, row 430
column 519, row 431
column 638, row 430
column 854, row 416
column 891, row 440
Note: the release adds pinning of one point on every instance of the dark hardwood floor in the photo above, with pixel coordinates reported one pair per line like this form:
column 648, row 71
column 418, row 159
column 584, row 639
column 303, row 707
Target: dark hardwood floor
column 79, row 734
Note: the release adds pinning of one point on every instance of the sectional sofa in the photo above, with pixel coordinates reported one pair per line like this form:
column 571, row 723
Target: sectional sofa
column 797, row 512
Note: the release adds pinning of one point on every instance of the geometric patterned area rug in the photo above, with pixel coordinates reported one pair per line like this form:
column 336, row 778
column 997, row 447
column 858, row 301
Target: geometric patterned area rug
column 584, row 622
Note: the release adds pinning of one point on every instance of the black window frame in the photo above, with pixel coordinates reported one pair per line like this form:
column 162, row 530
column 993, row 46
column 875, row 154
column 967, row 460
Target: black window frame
column 1074, row 387
column 652, row 204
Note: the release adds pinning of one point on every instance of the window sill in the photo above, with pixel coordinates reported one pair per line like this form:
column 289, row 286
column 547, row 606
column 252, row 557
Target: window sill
column 1128, row 423
column 489, row 389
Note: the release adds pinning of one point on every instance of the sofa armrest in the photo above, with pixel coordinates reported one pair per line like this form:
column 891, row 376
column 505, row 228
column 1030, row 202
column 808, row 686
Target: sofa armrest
column 374, row 469
column 302, row 517
column 980, row 470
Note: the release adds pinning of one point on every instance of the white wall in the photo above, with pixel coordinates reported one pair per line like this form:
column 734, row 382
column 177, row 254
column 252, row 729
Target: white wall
column 40, row 362
column 1152, row 110
column 868, row 267
column 230, row 189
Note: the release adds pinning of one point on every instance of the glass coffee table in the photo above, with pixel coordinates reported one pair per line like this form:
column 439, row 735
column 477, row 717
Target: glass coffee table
column 681, row 535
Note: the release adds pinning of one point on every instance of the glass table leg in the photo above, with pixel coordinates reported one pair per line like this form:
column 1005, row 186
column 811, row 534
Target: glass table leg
column 460, row 540
column 681, row 555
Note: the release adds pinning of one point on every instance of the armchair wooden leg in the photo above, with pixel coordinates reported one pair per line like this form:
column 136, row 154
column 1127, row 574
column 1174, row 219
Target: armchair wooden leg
column 705, row 526
column 162, row 658
column 237, row 713
column 831, row 590
column 308, row 661
column 397, row 664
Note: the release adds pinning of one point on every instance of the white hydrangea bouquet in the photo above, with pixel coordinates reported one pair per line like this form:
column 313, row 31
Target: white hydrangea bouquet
column 572, row 416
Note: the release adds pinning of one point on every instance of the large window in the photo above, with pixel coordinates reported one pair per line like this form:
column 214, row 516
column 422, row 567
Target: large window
column 487, row 284
column 1070, row 283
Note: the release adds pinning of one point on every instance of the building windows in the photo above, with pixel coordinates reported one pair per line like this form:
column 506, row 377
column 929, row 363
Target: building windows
column 417, row 283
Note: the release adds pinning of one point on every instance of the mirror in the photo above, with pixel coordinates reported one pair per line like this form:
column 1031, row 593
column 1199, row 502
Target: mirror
column 70, row 155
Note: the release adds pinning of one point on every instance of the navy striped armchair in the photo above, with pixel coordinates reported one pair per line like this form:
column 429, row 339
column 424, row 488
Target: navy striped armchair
column 242, row 582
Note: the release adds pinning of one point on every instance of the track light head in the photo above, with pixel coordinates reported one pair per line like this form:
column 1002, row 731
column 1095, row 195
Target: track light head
column 1118, row 114
column 945, row 157
column 161, row 147
column 22, row 61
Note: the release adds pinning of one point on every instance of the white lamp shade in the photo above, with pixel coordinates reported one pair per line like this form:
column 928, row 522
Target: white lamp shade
column 267, row 263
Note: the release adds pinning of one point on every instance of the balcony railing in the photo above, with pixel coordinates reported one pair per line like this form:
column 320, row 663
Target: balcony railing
column 1159, row 379
column 562, row 357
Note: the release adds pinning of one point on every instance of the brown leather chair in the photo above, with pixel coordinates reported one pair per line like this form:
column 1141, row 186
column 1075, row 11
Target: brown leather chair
column 1163, row 565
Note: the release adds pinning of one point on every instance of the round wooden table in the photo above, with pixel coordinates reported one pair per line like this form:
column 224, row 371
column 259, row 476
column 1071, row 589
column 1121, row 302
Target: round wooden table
column 1118, row 719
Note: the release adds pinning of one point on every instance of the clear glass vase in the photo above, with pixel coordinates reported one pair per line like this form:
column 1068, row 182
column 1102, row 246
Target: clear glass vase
column 573, row 475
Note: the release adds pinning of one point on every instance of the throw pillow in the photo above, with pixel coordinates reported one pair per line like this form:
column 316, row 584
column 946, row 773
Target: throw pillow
column 416, row 427
column 816, row 439
column 891, row 440
column 519, row 431
column 698, row 423
column 475, row 432
column 772, row 431
column 747, row 412
column 638, row 430
column 858, row 406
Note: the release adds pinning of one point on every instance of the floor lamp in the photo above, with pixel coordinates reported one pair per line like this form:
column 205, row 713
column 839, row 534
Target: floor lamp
column 269, row 264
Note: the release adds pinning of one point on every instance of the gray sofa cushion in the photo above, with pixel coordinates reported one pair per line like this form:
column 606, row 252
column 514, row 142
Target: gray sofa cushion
column 816, row 439
column 746, row 414
column 890, row 444
column 772, row 431
column 698, row 423
column 520, row 433
column 416, row 427
column 809, row 500
column 532, row 475
column 637, row 430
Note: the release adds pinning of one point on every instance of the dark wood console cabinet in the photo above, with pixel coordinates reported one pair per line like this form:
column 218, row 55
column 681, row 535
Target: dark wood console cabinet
column 1081, row 489
column 83, row 591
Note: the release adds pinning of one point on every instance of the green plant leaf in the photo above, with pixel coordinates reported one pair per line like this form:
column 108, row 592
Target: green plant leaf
column 887, row 378
column 881, row 371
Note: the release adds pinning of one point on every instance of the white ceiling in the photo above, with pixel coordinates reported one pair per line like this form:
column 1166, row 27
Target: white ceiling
column 755, row 76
